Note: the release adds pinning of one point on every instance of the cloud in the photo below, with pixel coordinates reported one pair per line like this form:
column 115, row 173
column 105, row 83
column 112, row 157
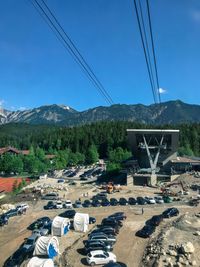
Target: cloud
column 2, row 102
column 195, row 14
column 162, row 91
column 22, row 108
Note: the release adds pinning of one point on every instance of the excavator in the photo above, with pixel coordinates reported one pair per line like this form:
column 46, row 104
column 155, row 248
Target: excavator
column 166, row 191
column 111, row 188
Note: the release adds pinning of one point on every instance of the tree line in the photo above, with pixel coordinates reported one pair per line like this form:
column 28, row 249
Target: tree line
column 80, row 145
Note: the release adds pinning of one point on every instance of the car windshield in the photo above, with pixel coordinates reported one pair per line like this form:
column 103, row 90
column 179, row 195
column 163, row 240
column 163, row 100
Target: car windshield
column 29, row 242
column 106, row 254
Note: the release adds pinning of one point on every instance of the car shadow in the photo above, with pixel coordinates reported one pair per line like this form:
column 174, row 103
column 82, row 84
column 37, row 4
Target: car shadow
column 84, row 262
column 81, row 251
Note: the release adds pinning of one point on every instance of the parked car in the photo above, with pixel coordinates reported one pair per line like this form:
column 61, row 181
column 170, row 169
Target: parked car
column 159, row 199
column 29, row 243
column 18, row 257
column 51, row 196
column 141, row 201
column 77, row 204
column 107, row 231
column 12, row 213
column 50, row 205
column 39, row 223
column 113, row 202
column 132, row 201
column 105, row 202
column 87, row 203
column 100, row 257
column 96, row 203
column 68, row 214
column 67, row 204
column 97, row 245
column 123, row 201
column 22, row 207
column 41, row 232
column 115, row 264
column 92, row 220
column 47, row 227
column 170, row 212
column 119, row 216
column 150, row 200
column 3, row 220
column 103, row 237
column 155, row 220
column 146, row 231
column 114, row 228
column 59, row 204
column 111, row 221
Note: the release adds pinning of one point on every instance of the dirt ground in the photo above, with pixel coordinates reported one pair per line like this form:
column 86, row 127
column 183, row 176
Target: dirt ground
column 129, row 249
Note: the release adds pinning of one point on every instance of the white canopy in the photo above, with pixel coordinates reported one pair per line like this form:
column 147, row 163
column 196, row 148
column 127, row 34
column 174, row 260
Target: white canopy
column 60, row 226
column 81, row 221
column 38, row 262
column 46, row 246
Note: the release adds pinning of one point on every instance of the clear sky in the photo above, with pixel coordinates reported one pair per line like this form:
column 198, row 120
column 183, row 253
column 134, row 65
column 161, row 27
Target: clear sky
column 36, row 70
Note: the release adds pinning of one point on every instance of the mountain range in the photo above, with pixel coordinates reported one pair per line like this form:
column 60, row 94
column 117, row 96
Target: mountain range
column 171, row 112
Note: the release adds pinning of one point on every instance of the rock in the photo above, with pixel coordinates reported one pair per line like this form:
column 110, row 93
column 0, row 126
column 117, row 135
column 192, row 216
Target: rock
column 197, row 233
column 193, row 263
column 187, row 248
column 173, row 253
column 178, row 264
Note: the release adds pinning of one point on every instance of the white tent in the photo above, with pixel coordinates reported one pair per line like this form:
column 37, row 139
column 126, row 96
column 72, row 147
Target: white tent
column 60, row 226
column 38, row 262
column 81, row 221
column 46, row 246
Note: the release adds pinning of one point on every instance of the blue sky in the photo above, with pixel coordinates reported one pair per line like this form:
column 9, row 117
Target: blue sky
column 36, row 70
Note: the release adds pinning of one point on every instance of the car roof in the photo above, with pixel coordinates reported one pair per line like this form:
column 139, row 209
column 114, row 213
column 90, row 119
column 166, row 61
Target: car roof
column 95, row 252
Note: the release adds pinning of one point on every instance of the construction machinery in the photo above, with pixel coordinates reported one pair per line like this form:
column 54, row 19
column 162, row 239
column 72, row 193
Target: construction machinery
column 167, row 191
column 111, row 188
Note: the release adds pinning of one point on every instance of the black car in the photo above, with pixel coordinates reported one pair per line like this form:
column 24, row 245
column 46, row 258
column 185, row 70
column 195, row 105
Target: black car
column 96, row 203
column 86, row 203
column 12, row 213
column 50, row 205
column 170, row 212
column 17, row 258
column 132, row 201
column 118, row 216
column 92, row 220
column 155, row 220
column 115, row 264
column 141, row 201
column 39, row 223
column 109, row 230
column 123, row 201
column 113, row 202
column 3, row 220
column 97, row 245
column 68, row 214
column 105, row 202
column 146, row 231
column 111, row 222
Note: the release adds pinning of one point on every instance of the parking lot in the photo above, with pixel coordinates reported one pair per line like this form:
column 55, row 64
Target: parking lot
column 128, row 248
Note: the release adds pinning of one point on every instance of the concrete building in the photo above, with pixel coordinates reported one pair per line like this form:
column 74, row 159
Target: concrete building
column 154, row 149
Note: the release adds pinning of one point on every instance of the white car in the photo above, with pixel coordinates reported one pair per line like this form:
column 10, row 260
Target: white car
column 59, row 204
column 22, row 207
column 150, row 200
column 67, row 204
column 100, row 257
column 159, row 200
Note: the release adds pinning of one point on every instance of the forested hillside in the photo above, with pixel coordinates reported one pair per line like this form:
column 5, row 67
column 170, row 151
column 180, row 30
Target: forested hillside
column 104, row 135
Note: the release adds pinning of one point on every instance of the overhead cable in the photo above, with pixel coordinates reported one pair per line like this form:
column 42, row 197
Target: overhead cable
column 70, row 46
